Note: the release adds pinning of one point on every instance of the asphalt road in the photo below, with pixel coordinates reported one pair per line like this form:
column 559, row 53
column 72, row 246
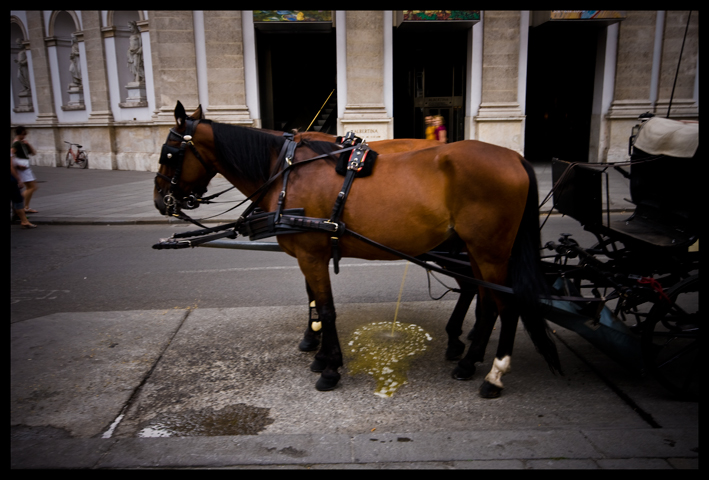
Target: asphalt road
column 83, row 268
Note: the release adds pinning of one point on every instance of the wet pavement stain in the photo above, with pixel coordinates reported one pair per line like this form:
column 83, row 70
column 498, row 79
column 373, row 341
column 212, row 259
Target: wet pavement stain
column 385, row 353
column 239, row 419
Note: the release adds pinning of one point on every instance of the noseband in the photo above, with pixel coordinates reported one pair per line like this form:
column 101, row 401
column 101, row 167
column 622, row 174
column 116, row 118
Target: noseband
column 174, row 157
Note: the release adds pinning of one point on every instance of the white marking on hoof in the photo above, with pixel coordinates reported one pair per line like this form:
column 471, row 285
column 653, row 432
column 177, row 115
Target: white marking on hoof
column 499, row 368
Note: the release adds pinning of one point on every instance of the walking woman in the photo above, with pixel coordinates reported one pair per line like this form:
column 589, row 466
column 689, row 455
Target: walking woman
column 441, row 133
column 21, row 150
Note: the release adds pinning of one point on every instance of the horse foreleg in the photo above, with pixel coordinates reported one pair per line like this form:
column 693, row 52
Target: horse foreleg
column 492, row 386
column 311, row 337
column 329, row 358
column 454, row 327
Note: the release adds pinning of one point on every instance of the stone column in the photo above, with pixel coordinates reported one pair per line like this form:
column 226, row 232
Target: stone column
column 45, row 135
column 223, row 37
column 96, row 58
column 174, row 68
column 365, row 112
column 648, row 51
column 40, row 65
column 500, row 119
column 634, row 64
column 100, row 139
column 685, row 101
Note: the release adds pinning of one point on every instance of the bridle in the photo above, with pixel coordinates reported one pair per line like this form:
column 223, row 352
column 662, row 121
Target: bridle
column 174, row 157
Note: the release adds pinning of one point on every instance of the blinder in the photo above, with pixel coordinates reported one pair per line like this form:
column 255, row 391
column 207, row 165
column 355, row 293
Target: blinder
column 172, row 156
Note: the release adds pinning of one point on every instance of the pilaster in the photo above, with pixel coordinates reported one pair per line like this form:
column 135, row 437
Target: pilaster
column 224, row 47
column 46, row 113
column 174, row 62
column 365, row 111
column 97, row 77
column 500, row 119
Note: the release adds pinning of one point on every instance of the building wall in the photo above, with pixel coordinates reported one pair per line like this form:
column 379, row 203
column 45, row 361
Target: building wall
column 208, row 58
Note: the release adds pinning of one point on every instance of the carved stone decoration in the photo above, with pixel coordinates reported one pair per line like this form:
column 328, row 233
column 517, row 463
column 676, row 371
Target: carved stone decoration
column 76, row 88
column 135, row 54
column 23, row 76
column 137, row 96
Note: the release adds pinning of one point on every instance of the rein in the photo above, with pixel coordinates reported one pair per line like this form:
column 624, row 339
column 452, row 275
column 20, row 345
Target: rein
column 285, row 159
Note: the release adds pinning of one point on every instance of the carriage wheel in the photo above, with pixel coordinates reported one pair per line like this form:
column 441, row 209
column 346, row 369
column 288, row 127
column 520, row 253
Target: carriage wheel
column 82, row 160
column 670, row 340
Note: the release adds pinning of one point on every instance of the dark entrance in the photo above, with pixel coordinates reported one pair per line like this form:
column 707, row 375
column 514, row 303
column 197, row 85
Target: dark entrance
column 429, row 79
column 560, row 79
column 297, row 74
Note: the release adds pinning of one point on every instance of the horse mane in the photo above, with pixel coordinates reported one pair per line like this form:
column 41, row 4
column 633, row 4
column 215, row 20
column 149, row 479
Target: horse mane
column 320, row 147
column 245, row 151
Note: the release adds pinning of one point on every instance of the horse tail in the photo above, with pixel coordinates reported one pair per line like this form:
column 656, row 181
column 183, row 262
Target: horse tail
column 527, row 279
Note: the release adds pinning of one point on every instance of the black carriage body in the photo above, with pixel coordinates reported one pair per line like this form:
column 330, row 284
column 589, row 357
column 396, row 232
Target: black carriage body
column 645, row 266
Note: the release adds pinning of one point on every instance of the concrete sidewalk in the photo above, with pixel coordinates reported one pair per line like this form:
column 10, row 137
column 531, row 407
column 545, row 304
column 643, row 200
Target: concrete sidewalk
column 74, row 196
column 227, row 388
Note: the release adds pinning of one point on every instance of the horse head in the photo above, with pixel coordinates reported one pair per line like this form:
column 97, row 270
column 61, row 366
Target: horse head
column 186, row 164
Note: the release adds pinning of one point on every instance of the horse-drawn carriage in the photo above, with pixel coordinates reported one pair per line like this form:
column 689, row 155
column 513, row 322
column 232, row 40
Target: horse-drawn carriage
column 642, row 275
column 468, row 210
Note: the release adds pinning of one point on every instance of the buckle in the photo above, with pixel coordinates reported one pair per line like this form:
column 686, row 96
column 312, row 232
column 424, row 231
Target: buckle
column 333, row 224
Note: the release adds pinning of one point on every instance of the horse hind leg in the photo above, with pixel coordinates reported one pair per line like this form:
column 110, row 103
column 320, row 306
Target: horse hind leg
column 492, row 385
column 485, row 317
column 454, row 327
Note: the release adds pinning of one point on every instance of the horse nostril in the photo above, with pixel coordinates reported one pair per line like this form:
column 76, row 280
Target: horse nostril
column 160, row 205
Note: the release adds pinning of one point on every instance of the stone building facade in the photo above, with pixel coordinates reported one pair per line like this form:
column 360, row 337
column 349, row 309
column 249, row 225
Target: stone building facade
column 544, row 83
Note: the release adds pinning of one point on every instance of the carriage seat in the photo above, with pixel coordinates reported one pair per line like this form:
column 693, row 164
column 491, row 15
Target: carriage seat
column 665, row 177
column 666, row 191
column 663, row 136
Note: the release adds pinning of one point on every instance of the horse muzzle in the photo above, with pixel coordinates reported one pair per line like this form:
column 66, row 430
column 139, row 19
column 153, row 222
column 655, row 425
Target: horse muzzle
column 169, row 205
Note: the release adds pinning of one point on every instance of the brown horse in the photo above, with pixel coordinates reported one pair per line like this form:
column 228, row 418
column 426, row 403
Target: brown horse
column 483, row 194
column 311, row 338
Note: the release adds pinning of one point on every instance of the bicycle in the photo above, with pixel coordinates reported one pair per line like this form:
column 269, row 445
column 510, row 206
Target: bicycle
column 79, row 159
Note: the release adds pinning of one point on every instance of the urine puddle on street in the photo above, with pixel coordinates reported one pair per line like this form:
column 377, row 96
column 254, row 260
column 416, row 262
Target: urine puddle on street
column 385, row 352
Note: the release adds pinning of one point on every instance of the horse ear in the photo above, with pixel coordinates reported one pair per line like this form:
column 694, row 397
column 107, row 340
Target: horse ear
column 198, row 114
column 180, row 114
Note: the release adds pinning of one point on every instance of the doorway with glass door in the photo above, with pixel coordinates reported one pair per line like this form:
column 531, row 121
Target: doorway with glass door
column 429, row 80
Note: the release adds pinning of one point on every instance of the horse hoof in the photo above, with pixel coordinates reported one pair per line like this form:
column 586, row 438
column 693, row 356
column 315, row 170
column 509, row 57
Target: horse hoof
column 488, row 390
column 463, row 373
column 317, row 366
column 455, row 352
column 453, row 357
column 325, row 384
column 308, row 344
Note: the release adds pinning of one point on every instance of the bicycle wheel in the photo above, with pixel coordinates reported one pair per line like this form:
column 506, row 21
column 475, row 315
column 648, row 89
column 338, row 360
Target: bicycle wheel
column 82, row 161
column 670, row 340
column 69, row 160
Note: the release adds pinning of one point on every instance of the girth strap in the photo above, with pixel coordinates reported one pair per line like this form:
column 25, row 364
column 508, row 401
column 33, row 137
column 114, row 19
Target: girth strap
column 353, row 166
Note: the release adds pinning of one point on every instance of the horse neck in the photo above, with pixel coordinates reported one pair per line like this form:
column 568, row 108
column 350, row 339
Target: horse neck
column 246, row 185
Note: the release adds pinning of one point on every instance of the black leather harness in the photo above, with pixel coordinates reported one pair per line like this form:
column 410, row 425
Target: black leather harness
column 255, row 223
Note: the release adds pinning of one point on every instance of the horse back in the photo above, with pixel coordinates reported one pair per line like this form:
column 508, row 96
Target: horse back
column 415, row 200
